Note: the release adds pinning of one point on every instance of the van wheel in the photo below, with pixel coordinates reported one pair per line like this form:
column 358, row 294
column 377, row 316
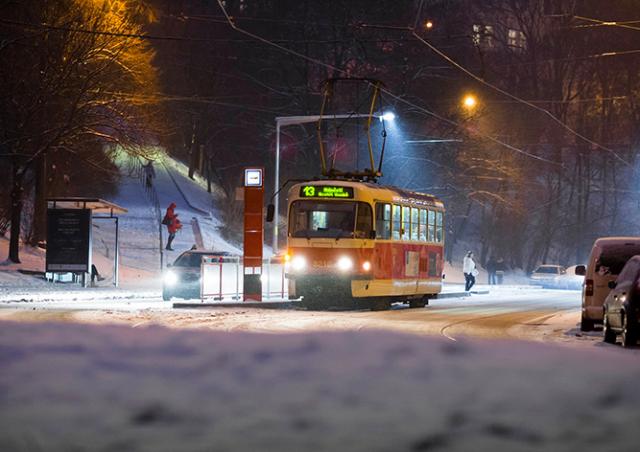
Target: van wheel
column 628, row 335
column 609, row 334
column 586, row 324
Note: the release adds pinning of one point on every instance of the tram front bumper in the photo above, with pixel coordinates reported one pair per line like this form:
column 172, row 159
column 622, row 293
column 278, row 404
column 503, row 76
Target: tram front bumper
column 323, row 286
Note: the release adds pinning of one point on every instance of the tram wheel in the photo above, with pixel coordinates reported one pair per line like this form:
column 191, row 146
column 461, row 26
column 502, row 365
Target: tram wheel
column 418, row 303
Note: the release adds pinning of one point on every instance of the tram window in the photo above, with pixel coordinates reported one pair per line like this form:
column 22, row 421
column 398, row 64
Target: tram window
column 363, row 221
column 397, row 222
column 423, row 225
column 414, row 223
column 322, row 219
column 406, row 223
column 383, row 221
column 439, row 233
column 432, row 226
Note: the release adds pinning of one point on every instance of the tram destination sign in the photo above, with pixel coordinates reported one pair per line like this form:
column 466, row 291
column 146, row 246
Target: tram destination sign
column 326, row 191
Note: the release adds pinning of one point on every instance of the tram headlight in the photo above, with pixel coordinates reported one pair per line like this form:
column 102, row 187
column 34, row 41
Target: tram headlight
column 366, row 266
column 345, row 264
column 298, row 263
column 170, row 278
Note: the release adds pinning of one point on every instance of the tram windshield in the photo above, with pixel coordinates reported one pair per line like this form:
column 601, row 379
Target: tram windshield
column 337, row 220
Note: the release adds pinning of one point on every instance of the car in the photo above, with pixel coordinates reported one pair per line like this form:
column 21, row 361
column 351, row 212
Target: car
column 621, row 309
column 570, row 280
column 547, row 275
column 608, row 256
column 182, row 279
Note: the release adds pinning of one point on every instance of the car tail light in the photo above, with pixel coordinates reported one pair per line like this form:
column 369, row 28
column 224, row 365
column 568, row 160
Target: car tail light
column 588, row 287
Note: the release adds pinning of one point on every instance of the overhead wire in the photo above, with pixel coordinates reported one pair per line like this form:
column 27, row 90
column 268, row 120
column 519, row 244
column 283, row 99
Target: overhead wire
column 514, row 97
column 385, row 90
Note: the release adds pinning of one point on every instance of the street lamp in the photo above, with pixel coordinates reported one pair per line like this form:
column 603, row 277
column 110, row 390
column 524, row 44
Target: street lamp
column 469, row 102
column 295, row 120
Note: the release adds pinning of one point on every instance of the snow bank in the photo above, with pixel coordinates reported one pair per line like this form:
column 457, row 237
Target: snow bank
column 79, row 387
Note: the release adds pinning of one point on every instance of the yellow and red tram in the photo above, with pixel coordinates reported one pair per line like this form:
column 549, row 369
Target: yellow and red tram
column 359, row 244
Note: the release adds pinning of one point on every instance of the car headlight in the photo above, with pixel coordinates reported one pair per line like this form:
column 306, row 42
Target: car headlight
column 298, row 263
column 170, row 278
column 345, row 264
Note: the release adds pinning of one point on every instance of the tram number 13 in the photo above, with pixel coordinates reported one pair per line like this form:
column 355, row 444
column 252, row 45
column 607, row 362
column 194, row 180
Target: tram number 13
column 309, row 190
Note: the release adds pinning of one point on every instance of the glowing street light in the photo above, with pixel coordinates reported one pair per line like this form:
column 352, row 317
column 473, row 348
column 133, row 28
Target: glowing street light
column 470, row 102
column 387, row 116
column 428, row 25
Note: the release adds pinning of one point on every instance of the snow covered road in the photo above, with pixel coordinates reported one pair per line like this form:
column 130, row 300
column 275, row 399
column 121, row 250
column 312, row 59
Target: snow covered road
column 507, row 313
column 113, row 388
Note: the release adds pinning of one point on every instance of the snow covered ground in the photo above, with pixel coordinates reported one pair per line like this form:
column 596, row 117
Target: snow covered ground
column 70, row 387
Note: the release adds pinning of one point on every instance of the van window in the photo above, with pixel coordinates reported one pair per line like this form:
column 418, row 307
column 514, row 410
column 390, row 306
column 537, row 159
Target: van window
column 613, row 258
column 629, row 272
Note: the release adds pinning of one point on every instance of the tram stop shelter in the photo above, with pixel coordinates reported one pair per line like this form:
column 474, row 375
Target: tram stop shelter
column 69, row 234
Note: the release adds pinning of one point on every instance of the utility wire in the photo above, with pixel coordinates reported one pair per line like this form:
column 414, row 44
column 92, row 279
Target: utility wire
column 511, row 96
column 385, row 90
column 606, row 23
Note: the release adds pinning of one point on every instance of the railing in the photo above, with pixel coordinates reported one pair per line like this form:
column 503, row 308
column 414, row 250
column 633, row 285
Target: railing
column 221, row 278
column 152, row 196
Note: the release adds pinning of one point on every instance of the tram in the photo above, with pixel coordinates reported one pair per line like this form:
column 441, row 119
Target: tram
column 359, row 244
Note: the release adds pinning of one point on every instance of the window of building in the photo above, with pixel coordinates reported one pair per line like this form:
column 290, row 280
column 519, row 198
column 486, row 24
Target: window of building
column 516, row 39
column 482, row 35
column 383, row 221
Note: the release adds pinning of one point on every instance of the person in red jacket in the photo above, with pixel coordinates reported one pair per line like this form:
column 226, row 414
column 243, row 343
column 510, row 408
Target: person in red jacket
column 173, row 227
column 173, row 224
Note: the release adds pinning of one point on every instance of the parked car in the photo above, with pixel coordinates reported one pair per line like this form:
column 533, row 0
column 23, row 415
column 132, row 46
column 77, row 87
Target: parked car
column 608, row 256
column 547, row 275
column 182, row 279
column 621, row 310
column 570, row 280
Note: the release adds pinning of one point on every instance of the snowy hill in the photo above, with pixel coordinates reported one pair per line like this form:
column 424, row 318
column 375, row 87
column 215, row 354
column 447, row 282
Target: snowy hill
column 142, row 238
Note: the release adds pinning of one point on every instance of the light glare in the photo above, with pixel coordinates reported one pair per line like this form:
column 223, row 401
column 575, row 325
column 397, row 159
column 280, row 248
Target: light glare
column 345, row 263
column 388, row 116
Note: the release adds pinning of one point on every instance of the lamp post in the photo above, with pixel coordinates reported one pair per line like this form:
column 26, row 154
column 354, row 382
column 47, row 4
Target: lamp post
column 295, row 120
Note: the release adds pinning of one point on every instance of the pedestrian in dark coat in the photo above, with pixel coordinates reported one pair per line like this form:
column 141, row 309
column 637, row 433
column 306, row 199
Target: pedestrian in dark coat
column 491, row 270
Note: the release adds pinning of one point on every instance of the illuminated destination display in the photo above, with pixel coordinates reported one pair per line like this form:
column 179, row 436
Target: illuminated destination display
column 326, row 191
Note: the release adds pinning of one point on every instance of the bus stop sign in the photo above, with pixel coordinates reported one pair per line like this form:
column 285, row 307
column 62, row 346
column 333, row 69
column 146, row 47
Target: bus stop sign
column 253, row 233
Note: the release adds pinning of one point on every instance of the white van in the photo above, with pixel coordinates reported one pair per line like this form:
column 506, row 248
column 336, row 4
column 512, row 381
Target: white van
column 608, row 256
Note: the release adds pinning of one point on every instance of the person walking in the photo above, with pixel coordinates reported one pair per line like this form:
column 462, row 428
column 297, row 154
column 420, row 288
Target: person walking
column 469, row 270
column 168, row 220
column 491, row 271
column 149, row 174
column 501, row 267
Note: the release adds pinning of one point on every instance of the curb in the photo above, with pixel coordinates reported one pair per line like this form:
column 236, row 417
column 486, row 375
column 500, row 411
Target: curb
column 248, row 304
